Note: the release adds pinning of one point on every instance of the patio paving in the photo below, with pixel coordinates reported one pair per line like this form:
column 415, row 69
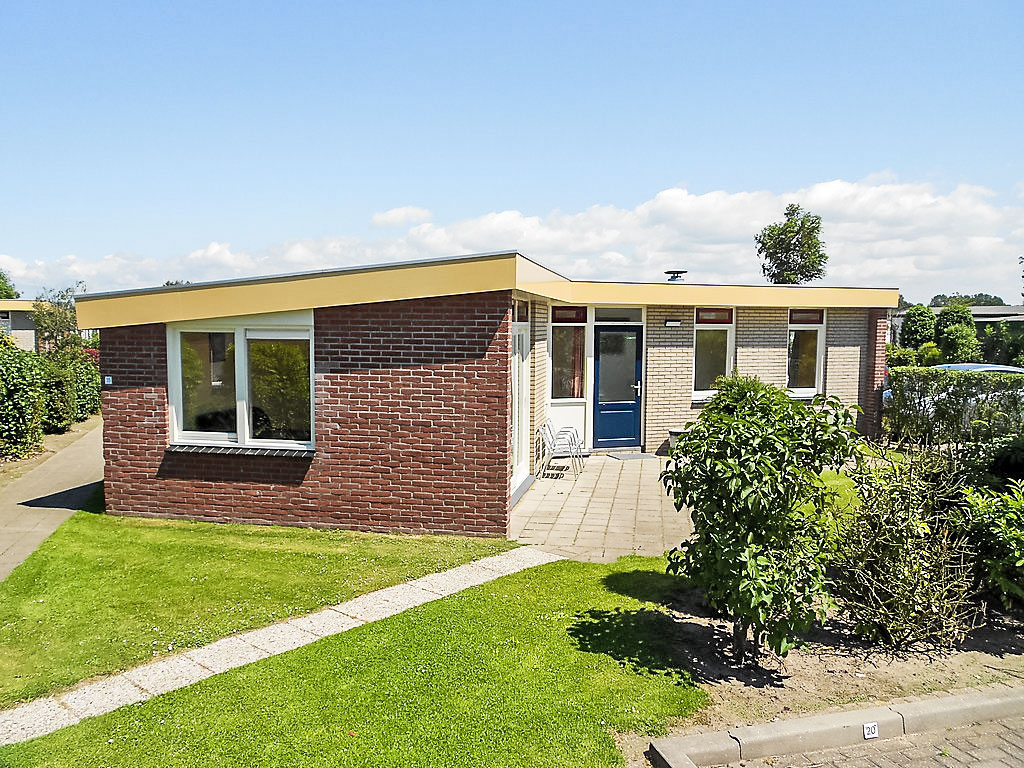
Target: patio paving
column 616, row 507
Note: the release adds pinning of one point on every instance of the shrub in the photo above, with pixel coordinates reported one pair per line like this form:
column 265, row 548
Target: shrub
column 950, row 315
column 996, row 523
column 905, row 568
column 918, row 327
column 900, row 355
column 21, row 402
column 749, row 469
column 59, row 391
column 929, row 354
column 996, row 342
column 930, row 405
column 959, row 344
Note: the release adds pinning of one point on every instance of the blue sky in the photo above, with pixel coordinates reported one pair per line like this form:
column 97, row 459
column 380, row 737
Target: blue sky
column 140, row 143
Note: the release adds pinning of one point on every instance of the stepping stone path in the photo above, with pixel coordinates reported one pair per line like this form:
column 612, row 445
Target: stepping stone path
column 43, row 716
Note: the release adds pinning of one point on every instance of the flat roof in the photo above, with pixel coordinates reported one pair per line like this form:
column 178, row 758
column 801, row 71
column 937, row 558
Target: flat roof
column 24, row 305
column 475, row 273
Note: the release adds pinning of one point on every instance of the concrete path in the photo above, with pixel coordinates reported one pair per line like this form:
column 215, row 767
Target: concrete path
column 42, row 716
column 36, row 503
column 615, row 508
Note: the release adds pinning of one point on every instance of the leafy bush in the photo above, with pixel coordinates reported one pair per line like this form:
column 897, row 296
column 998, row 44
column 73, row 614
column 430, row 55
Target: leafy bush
column 905, row 568
column 996, row 523
column 918, row 327
column 950, row 315
column 59, row 390
column 929, row 354
column 996, row 343
column 930, row 405
column 749, row 470
column 900, row 355
column 959, row 344
column 22, row 402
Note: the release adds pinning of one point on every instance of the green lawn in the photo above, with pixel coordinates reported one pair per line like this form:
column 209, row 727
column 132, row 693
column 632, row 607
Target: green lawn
column 106, row 593
column 538, row 668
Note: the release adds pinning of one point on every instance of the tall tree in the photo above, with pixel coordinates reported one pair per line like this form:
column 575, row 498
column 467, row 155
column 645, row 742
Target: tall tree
column 791, row 250
column 918, row 327
column 7, row 290
column 967, row 299
column 55, row 318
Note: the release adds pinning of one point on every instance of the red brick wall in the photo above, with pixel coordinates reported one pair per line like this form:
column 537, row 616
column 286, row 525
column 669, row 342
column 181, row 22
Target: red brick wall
column 412, row 427
column 878, row 332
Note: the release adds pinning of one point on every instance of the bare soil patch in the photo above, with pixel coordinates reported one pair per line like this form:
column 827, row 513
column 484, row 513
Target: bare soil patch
column 834, row 671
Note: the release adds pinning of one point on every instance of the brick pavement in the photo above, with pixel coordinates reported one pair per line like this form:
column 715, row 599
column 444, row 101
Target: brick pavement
column 996, row 744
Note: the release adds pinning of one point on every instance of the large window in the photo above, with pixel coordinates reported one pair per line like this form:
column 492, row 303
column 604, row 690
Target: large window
column 246, row 385
column 712, row 348
column 806, row 351
column 568, row 351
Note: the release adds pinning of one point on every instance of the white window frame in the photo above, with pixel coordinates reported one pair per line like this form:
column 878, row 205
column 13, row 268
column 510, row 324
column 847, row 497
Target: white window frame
column 587, row 327
column 804, row 393
column 285, row 325
column 730, row 350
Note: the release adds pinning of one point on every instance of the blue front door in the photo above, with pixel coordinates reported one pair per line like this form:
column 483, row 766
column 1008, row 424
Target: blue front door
column 618, row 351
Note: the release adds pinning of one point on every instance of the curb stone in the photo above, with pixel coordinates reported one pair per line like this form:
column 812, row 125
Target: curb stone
column 840, row 729
column 46, row 715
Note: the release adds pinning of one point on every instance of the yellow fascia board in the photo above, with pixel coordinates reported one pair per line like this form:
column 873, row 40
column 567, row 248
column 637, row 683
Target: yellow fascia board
column 665, row 294
column 16, row 305
column 281, row 294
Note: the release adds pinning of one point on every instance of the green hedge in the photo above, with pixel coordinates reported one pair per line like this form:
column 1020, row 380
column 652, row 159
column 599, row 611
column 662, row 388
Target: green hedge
column 930, row 405
column 22, row 402
column 43, row 393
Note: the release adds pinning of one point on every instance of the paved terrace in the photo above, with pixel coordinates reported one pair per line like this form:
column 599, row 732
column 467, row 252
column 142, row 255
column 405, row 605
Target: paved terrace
column 616, row 507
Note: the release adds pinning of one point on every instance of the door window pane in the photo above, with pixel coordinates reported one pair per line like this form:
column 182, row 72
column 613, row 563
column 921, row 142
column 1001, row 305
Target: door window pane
column 279, row 389
column 208, row 382
column 803, row 359
column 618, row 315
column 617, row 373
column 567, row 361
column 710, row 357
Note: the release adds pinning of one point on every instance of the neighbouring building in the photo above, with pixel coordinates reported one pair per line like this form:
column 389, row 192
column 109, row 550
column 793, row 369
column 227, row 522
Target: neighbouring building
column 407, row 397
column 16, row 320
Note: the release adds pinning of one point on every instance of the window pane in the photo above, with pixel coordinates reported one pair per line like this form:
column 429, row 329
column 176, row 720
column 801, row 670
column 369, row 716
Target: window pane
column 279, row 389
column 710, row 355
column 568, row 314
column 807, row 316
column 567, row 361
column 208, row 382
column 615, row 315
column 720, row 316
column 617, row 373
column 803, row 359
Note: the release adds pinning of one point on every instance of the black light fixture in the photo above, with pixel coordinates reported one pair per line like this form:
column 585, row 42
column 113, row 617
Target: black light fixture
column 675, row 275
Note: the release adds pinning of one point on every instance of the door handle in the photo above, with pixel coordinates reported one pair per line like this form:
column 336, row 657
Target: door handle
column 636, row 388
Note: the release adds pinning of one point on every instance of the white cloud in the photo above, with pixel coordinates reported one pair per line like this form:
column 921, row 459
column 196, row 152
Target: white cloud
column 878, row 231
column 401, row 217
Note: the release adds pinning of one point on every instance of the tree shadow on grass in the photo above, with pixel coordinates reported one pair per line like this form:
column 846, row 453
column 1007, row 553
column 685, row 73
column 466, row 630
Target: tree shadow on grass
column 652, row 642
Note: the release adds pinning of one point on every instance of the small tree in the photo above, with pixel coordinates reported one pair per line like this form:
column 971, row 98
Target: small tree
column 959, row 344
column 55, row 318
column 750, row 469
column 7, row 290
column 918, row 327
column 791, row 250
column 952, row 314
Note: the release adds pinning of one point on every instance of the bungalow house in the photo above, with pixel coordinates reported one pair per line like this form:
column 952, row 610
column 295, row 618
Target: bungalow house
column 16, row 320
column 406, row 397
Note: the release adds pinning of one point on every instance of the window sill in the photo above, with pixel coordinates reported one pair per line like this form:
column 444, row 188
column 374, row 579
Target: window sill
column 242, row 450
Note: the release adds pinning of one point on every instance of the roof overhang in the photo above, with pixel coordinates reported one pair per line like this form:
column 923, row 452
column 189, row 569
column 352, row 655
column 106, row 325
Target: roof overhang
column 437, row 277
column 16, row 305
